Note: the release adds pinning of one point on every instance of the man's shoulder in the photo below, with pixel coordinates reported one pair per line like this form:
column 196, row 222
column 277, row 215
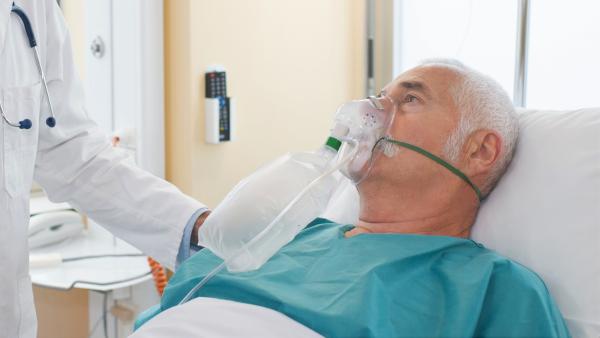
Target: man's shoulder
column 515, row 274
column 518, row 301
column 501, row 271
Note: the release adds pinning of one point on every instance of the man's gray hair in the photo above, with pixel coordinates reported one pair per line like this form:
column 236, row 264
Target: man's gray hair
column 482, row 104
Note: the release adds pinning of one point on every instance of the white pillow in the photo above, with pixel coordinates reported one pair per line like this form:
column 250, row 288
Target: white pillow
column 544, row 213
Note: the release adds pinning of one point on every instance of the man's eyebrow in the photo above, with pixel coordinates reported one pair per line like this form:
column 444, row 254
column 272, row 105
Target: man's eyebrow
column 412, row 85
column 417, row 86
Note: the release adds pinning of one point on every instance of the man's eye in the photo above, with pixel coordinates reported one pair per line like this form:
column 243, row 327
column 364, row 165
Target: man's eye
column 409, row 98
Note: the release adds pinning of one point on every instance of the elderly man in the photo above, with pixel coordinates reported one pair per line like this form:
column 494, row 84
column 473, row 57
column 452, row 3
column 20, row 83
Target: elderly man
column 407, row 268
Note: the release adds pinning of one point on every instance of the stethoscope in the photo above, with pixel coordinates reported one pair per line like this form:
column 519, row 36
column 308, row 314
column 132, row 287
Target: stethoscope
column 26, row 123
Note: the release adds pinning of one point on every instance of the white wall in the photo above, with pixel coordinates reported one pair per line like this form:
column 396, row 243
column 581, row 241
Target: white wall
column 290, row 65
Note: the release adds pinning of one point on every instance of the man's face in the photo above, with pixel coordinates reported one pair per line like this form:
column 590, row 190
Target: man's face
column 425, row 116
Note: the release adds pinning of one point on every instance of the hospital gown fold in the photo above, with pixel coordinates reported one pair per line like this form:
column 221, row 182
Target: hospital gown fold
column 384, row 285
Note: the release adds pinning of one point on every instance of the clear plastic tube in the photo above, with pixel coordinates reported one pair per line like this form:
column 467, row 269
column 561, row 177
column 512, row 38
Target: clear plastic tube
column 266, row 230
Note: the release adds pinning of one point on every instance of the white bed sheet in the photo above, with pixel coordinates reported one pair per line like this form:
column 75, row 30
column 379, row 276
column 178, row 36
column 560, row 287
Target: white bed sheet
column 211, row 317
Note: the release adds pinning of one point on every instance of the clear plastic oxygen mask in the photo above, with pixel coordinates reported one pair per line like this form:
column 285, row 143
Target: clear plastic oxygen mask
column 364, row 122
column 368, row 124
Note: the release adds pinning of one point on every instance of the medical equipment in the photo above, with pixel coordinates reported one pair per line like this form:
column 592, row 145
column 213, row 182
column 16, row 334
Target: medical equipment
column 53, row 227
column 159, row 275
column 389, row 147
column 26, row 123
column 256, row 218
column 240, row 219
column 219, row 109
column 235, row 230
column 367, row 122
column 248, row 208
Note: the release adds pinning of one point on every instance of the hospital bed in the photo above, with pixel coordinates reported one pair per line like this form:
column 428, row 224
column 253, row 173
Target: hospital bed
column 545, row 214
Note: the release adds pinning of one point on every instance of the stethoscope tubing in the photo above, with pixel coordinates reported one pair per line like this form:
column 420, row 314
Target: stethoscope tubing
column 26, row 123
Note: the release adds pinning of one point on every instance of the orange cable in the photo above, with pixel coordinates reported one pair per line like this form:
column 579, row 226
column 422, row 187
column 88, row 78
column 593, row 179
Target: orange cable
column 159, row 274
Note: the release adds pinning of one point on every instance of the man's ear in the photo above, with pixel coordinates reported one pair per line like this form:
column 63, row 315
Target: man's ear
column 483, row 149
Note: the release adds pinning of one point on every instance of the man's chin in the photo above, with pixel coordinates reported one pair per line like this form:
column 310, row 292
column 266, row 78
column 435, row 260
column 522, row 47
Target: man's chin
column 370, row 183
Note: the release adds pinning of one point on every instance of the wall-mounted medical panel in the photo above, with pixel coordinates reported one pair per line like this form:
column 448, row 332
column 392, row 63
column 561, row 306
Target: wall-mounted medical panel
column 219, row 109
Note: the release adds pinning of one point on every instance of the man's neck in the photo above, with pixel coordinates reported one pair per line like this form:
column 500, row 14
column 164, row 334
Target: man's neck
column 420, row 213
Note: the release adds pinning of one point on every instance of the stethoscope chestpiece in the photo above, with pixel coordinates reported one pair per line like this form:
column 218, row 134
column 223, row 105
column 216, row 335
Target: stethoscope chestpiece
column 25, row 124
column 51, row 122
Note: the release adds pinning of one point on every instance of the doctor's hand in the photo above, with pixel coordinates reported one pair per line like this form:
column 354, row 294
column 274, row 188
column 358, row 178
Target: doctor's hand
column 199, row 222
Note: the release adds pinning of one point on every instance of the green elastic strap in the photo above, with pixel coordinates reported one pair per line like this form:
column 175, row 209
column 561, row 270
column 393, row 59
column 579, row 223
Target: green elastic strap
column 440, row 161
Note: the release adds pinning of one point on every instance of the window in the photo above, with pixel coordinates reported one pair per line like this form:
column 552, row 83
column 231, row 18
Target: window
column 564, row 54
column 562, row 64
column 480, row 33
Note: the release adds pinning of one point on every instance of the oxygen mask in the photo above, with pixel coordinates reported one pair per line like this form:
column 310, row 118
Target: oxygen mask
column 365, row 122
column 365, row 126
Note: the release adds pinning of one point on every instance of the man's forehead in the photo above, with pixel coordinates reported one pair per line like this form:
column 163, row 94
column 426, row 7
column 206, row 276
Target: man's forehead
column 429, row 79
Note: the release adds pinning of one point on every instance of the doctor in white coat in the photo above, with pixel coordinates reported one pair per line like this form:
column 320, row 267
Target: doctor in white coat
column 73, row 162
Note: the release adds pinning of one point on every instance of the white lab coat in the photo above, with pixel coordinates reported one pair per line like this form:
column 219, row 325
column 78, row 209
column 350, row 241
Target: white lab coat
column 74, row 162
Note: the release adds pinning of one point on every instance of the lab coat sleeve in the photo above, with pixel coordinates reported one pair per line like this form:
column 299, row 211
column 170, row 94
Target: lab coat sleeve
column 77, row 164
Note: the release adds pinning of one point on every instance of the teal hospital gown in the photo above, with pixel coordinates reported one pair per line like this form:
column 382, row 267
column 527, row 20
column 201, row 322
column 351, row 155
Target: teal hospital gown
column 384, row 285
